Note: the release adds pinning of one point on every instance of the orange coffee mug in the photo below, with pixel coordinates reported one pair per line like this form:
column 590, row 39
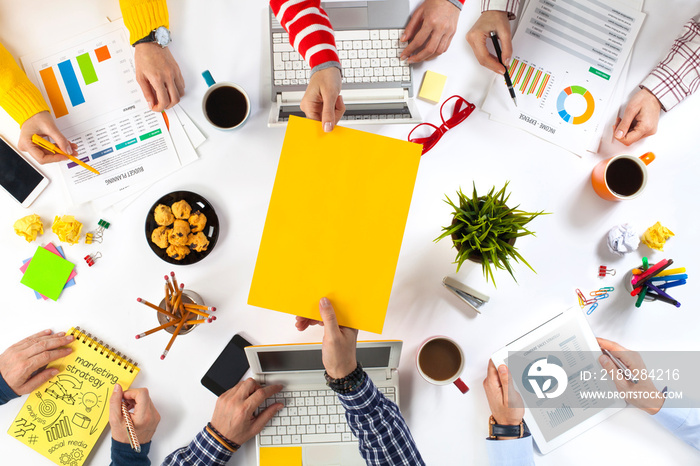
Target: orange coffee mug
column 621, row 177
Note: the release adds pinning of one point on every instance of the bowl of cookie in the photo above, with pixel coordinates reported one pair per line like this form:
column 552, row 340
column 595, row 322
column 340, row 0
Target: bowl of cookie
column 182, row 228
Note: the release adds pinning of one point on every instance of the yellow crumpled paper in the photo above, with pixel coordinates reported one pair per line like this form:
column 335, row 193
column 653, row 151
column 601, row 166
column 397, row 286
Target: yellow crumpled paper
column 67, row 228
column 29, row 227
column 656, row 235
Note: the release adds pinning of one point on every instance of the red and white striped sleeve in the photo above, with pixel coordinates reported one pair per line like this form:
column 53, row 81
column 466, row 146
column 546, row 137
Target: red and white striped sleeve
column 678, row 75
column 310, row 31
column 458, row 3
column 509, row 6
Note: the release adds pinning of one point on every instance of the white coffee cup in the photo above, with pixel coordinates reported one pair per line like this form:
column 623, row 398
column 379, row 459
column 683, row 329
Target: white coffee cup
column 440, row 361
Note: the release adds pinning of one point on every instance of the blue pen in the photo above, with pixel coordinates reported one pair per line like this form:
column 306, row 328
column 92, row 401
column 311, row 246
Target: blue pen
column 663, row 286
column 662, row 294
column 669, row 278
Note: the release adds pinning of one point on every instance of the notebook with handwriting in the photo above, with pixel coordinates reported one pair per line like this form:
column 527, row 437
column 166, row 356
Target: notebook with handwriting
column 63, row 418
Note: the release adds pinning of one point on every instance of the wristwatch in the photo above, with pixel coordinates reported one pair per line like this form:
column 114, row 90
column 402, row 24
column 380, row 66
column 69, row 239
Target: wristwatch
column 160, row 35
column 500, row 430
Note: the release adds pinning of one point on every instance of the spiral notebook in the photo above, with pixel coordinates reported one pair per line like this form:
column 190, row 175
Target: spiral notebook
column 63, row 418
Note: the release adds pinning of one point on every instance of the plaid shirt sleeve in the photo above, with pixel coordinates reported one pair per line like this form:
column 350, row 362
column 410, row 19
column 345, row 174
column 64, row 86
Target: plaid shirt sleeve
column 377, row 423
column 204, row 450
column 678, row 75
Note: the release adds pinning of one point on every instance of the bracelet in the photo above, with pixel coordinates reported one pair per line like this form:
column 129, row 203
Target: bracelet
column 231, row 446
column 347, row 384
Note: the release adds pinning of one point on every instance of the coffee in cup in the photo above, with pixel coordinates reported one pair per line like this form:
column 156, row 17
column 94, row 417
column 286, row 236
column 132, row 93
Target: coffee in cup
column 440, row 361
column 225, row 105
column 621, row 177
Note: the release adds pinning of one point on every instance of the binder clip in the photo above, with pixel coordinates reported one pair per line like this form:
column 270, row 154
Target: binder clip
column 90, row 259
column 604, row 270
column 95, row 236
column 469, row 295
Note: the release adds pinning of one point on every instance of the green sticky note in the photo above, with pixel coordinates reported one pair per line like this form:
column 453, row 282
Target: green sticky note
column 47, row 273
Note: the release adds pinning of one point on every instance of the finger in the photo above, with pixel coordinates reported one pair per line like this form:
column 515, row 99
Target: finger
column 624, row 125
column 419, row 41
column 504, row 377
column 38, row 380
column 46, row 357
column 429, row 49
column 148, row 91
column 243, row 390
column 339, row 108
column 261, row 394
column 413, row 25
column 263, row 418
column 43, row 157
column 115, row 406
column 47, row 343
column 31, row 339
column 173, row 94
column 328, row 315
column 610, row 345
column 328, row 116
column 61, row 141
column 162, row 97
column 180, row 83
column 477, row 40
column 504, row 37
column 492, row 381
column 311, row 110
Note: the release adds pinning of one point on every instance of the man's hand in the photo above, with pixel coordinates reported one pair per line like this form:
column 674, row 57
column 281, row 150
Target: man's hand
column 22, row 365
column 234, row 414
column 322, row 100
column 158, row 75
column 430, row 30
column 505, row 403
column 339, row 343
column 634, row 362
column 145, row 415
column 43, row 124
column 640, row 119
column 480, row 34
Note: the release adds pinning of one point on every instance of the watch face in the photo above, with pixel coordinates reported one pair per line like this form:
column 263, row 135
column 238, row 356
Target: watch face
column 162, row 36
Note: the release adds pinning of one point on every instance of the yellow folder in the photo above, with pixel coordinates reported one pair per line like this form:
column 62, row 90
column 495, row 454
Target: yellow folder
column 335, row 223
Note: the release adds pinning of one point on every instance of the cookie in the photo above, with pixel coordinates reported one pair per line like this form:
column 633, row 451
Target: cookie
column 197, row 222
column 197, row 242
column 163, row 215
column 177, row 252
column 181, row 209
column 178, row 235
column 160, row 237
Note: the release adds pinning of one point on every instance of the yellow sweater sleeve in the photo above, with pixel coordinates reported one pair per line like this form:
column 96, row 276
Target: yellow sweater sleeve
column 18, row 96
column 143, row 16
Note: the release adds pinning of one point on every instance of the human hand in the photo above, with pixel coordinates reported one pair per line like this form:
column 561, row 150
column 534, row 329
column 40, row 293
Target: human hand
column 22, row 365
column 44, row 125
column 322, row 100
column 234, row 415
column 505, row 403
column 640, row 119
column 158, row 75
column 430, row 30
column 144, row 416
column 634, row 362
column 480, row 34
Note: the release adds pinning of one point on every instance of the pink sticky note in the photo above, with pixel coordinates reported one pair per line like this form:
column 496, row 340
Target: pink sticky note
column 51, row 248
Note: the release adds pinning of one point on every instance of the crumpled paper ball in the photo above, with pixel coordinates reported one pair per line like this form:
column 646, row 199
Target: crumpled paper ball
column 29, row 227
column 623, row 239
column 67, row 228
column 656, row 235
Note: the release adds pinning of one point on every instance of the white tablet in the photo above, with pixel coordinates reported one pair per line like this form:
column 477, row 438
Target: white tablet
column 552, row 368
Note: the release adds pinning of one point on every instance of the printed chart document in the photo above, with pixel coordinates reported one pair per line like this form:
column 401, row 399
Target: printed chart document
column 90, row 85
column 335, row 224
column 568, row 57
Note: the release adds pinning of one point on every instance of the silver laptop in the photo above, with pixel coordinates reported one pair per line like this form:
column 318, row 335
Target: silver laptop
column 313, row 418
column 377, row 86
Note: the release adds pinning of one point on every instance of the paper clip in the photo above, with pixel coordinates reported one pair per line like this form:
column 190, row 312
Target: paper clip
column 597, row 293
column 581, row 298
column 95, row 236
column 90, row 260
column 592, row 308
column 602, row 296
column 604, row 270
column 606, row 288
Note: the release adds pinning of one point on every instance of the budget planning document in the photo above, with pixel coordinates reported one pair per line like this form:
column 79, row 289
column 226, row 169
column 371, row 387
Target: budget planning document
column 568, row 58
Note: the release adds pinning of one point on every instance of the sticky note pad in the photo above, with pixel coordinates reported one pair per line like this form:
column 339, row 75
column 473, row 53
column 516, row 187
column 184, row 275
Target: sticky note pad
column 335, row 223
column 433, row 84
column 276, row 456
column 47, row 273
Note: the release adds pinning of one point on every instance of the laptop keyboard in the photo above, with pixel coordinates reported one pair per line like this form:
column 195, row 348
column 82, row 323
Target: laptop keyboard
column 367, row 57
column 309, row 416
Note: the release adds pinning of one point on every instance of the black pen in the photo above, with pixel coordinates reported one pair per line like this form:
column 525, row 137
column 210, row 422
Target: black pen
column 497, row 46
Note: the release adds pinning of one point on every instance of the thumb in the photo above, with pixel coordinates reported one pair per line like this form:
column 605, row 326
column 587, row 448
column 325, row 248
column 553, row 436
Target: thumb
column 506, row 383
column 330, row 322
column 61, row 141
column 115, row 406
column 624, row 125
column 506, row 43
column 328, row 114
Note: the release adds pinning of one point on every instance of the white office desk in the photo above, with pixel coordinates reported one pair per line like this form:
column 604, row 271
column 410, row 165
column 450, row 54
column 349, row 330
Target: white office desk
column 236, row 173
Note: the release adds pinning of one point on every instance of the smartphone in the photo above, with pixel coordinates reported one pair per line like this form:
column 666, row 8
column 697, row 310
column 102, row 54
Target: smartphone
column 18, row 177
column 228, row 368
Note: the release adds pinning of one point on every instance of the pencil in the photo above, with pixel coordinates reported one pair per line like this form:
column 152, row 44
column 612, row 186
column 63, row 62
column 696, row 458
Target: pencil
column 133, row 440
column 156, row 308
column 160, row 327
column 44, row 144
column 167, row 283
column 167, row 299
column 172, row 274
column 189, row 306
column 175, row 333
column 199, row 313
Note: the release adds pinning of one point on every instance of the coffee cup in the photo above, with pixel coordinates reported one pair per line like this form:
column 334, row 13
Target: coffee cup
column 225, row 105
column 440, row 361
column 621, row 177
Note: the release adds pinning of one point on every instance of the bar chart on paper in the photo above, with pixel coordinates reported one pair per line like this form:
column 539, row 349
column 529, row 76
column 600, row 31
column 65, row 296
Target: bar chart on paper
column 528, row 79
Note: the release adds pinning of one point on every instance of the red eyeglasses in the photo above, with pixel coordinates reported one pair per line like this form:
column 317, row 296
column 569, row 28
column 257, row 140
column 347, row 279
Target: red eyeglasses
column 462, row 109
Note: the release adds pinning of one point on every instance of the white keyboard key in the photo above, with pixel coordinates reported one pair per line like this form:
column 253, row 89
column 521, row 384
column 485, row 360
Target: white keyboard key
column 286, row 439
column 365, row 62
column 398, row 71
column 382, row 79
column 330, row 429
column 296, row 57
column 394, row 44
column 356, row 63
column 374, row 34
column 358, row 74
column 301, row 430
column 265, row 440
column 391, row 53
column 281, row 430
column 386, row 44
column 313, row 393
column 296, row 394
column 381, row 53
column 384, row 62
column 375, row 63
column 308, row 75
column 330, row 399
column 288, row 65
column 350, row 80
column 323, row 409
column 304, row 394
column 269, row 430
column 278, row 75
column 318, row 400
column 393, row 34
column 277, row 35
column 372, row 53
column 291, row 430
column 366, row 44
column 286, row 421
column 390, row 79
column 310, row 429
column 346, row 437
column 346, row 63
column 302, row 411
column 384, row 34
column 357, row 44
column 351, row 35
column 321, row 429
column 278, row 82
column 308, row 401
column 277, row 440
column 321, row 438
column 406, row 72
column 335, row 418
column 362, row 53
column 295, row 420
column 342, row 427
column 374, row 79
column 285, row 37
column 305, row 420
column 283, row 47
column 278, row 60
column 325, row 419
column 342, row 54
column 376, row 44
column 365, row 79
column 388, row 71
column 352, row 54
column 276, row 421
column 297, row 65
column 333, row 409
column 315, row 420
column 313, row 410
column 379, row 71
column 299, row 75
column 296, row 439
column 391, row 398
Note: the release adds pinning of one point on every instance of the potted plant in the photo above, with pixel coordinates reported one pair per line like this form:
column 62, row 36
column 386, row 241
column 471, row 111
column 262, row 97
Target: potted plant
column 484, row 229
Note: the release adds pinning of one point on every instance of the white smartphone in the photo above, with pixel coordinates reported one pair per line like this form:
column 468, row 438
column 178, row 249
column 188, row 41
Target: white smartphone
column 19, row 177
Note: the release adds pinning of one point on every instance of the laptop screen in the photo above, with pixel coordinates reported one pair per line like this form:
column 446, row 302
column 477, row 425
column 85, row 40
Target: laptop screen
column 310, row 360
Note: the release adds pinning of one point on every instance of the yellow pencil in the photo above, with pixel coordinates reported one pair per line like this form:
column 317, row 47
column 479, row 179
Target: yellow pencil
column 43, row 143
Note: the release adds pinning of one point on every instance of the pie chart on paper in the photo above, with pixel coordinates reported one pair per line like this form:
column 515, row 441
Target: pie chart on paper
column 575, row 92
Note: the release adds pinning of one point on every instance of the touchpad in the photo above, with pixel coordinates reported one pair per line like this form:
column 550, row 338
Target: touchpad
column 348, row 18
column 332, row 455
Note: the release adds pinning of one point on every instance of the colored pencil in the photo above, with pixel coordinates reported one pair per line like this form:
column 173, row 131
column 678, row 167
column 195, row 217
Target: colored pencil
column 658, row 267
